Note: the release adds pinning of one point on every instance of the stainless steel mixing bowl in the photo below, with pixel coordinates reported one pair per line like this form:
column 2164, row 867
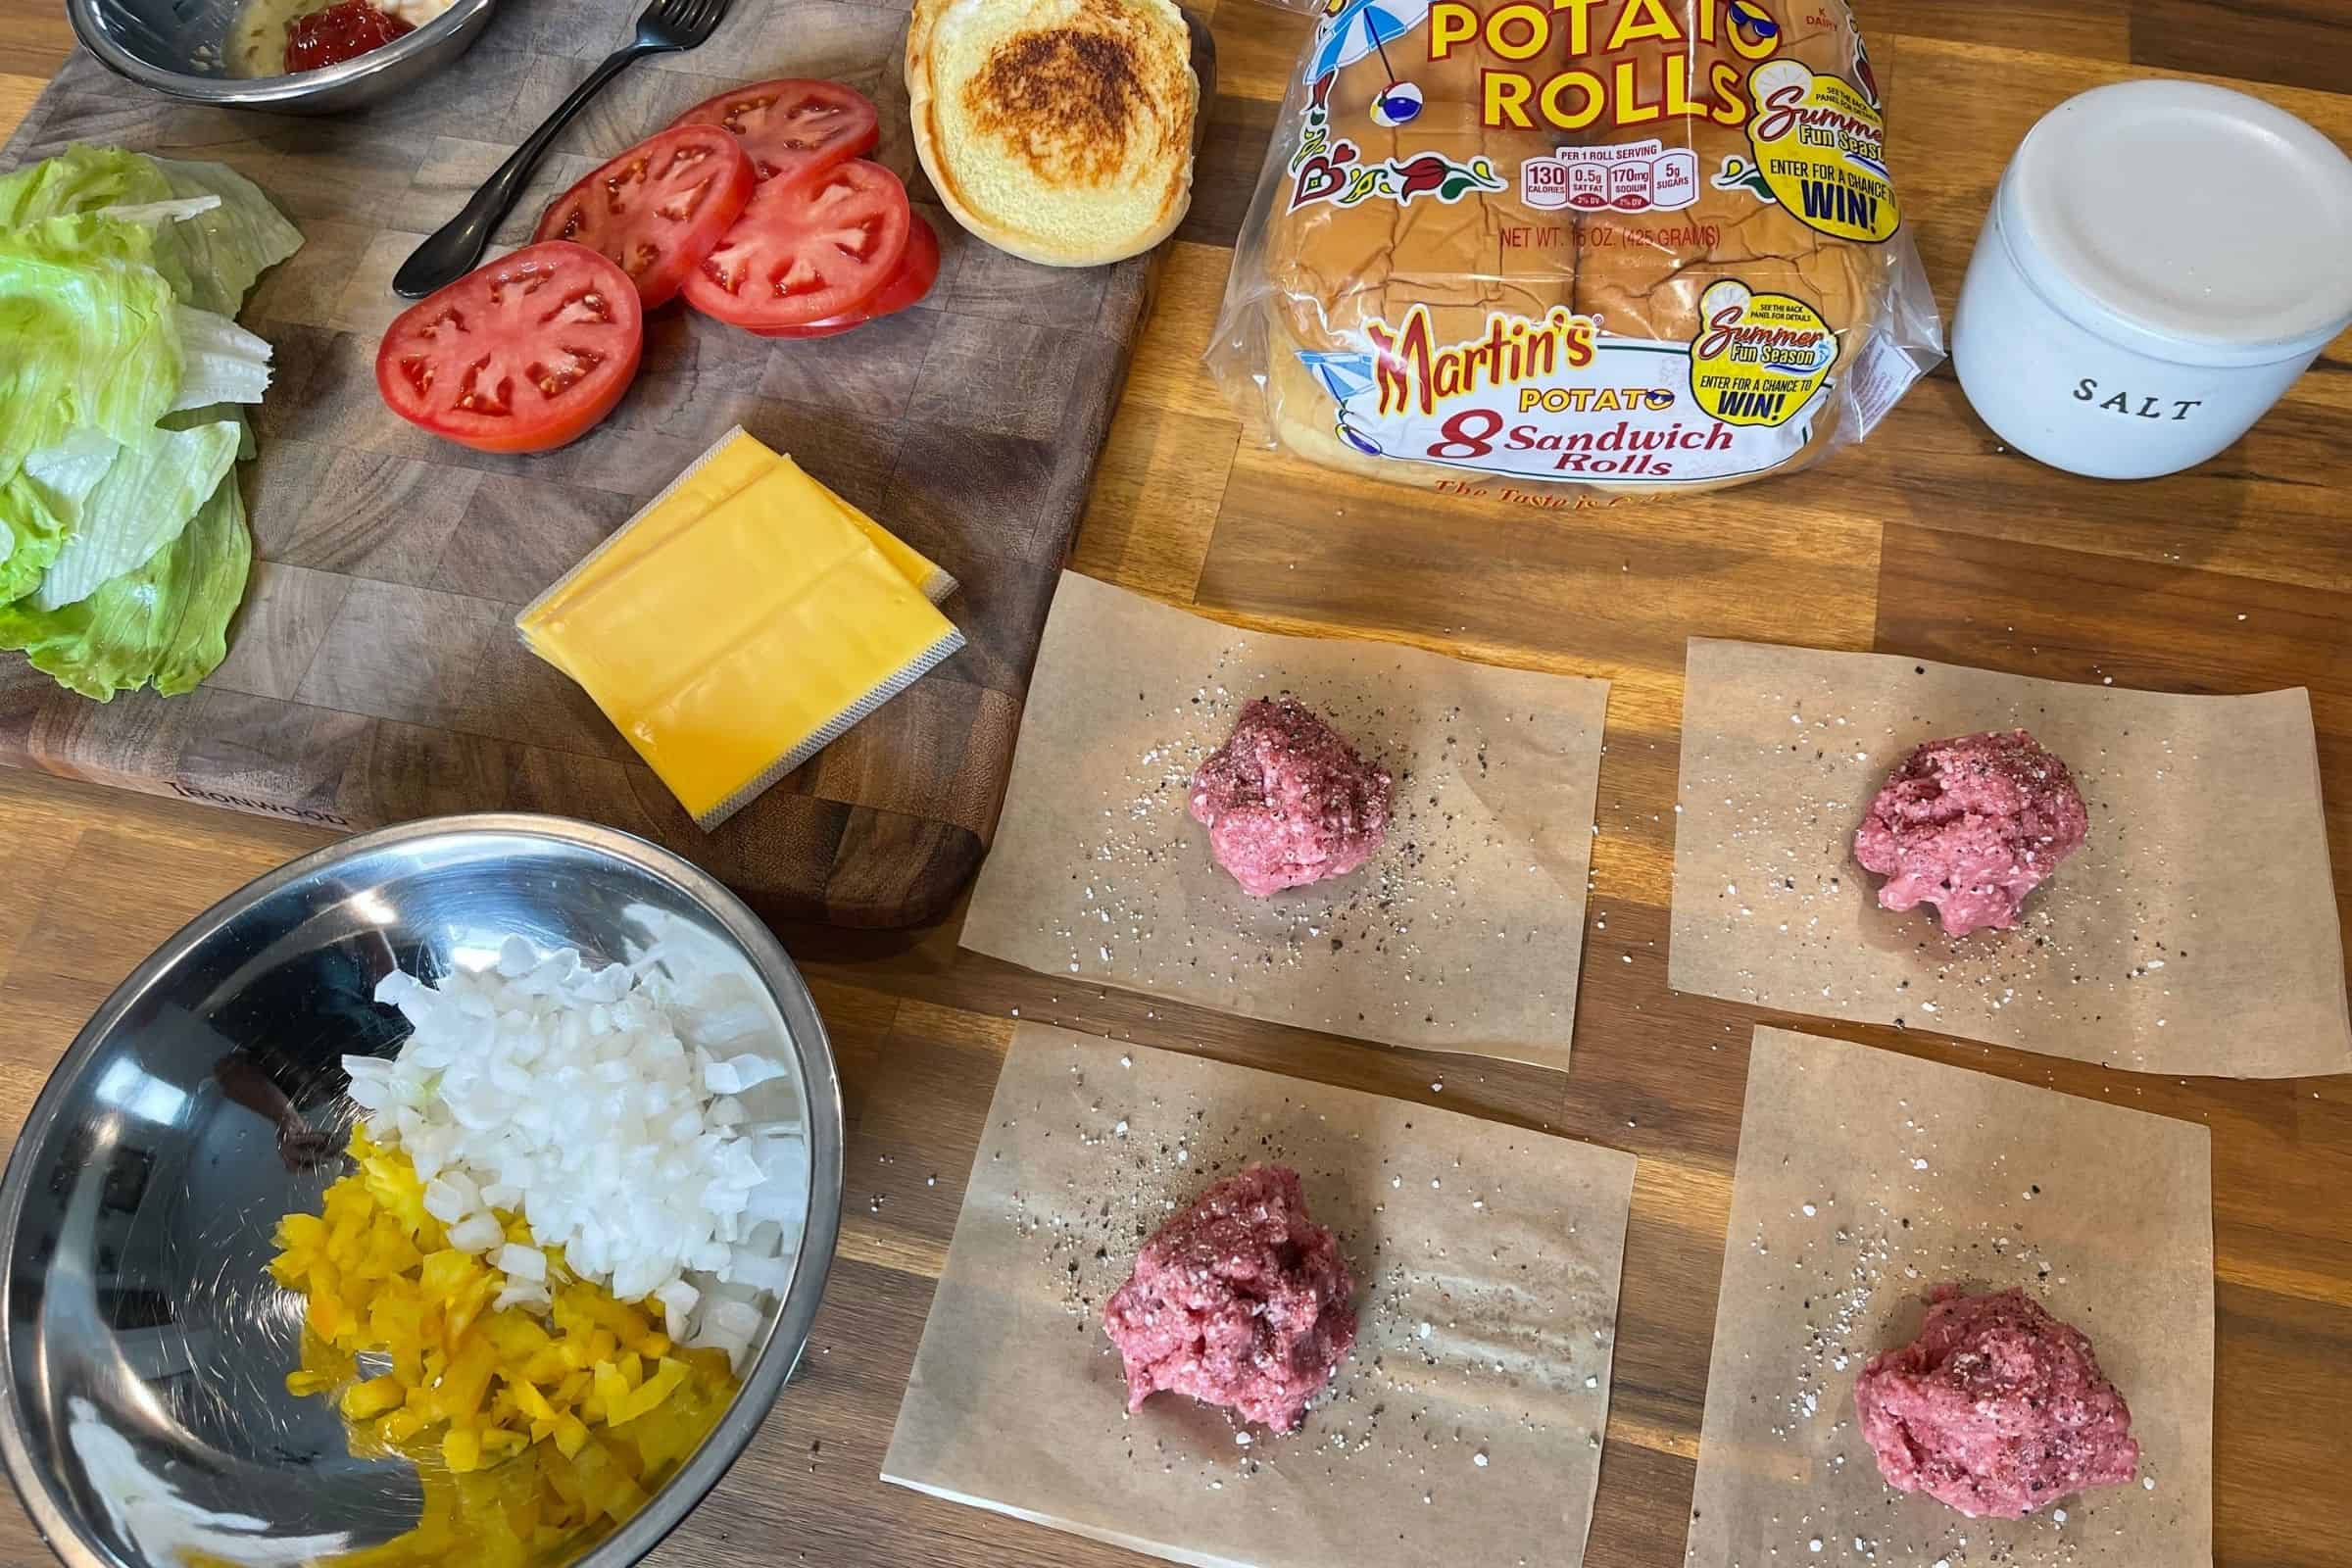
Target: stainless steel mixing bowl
column 146, row 1419
column 176, row 47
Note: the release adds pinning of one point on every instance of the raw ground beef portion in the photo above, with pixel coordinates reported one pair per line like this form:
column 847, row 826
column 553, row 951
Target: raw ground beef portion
column 1972, row 826
column 1287, row 801
column 1996, row 1409
column 1240, row 1301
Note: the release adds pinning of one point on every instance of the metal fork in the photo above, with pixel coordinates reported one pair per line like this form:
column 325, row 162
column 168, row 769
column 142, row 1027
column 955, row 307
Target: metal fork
column 453, row 249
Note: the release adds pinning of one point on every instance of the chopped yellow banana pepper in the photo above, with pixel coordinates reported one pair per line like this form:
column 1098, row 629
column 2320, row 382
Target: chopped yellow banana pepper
column 525, row 1430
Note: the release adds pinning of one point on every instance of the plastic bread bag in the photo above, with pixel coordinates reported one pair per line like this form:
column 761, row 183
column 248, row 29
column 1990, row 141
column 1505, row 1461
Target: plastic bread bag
column 1546, row 249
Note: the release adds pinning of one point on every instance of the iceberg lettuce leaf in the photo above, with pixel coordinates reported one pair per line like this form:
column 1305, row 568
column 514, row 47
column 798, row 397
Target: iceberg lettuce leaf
column 30, row 535
column 80, row 179
column 215, row 256
column 219, row 360
column 140, row 505
column 214, row 232
column 92, row 335
column 164, row 624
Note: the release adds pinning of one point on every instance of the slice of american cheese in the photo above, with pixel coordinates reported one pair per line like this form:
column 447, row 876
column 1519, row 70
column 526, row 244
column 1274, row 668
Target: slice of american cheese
column 740, row 623
column 733, row 462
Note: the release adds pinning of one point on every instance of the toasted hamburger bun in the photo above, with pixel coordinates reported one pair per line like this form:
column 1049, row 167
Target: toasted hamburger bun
column 1059, row 130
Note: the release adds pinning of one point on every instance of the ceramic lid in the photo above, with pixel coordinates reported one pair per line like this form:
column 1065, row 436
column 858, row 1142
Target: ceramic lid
column 2189, row 212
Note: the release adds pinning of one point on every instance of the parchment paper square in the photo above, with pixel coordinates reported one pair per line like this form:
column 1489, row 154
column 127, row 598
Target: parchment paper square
column 1865, row 1179
column 1465, row 1427
column 2194, row 932
column 1463, row 934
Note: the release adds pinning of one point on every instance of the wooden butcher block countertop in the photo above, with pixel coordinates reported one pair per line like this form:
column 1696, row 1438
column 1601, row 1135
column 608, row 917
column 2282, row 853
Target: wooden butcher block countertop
column 1930, row 540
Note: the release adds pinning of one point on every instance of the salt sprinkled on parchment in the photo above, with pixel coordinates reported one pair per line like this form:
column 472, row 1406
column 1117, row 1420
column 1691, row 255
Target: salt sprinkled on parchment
column 1413, row 886
column 1487, row 1264
column 1800, row 859
column 1132, row 1192
column 2194, row 894
column 1464, row 934
column 1855, row 1280
column 1902, row 1193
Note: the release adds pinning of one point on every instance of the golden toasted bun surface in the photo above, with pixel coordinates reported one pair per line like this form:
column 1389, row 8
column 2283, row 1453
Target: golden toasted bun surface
column 1069, row 100
column 1060, row 130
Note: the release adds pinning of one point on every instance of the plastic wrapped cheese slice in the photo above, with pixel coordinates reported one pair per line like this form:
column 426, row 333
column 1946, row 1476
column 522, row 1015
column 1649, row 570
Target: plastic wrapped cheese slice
column 740, row 623
column 733, row 462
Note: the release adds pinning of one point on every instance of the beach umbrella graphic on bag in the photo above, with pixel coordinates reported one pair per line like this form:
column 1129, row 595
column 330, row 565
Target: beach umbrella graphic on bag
column 1343, row 378
column 1354, row 28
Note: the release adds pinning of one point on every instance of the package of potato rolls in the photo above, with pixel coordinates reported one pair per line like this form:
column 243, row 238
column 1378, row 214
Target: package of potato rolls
column 1575, row 248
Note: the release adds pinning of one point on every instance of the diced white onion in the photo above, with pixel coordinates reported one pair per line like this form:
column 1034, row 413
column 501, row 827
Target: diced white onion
column 738, row 1073
column 584, row 1100
column 520, row 1263
column 475, row 1233
column 677, row 1300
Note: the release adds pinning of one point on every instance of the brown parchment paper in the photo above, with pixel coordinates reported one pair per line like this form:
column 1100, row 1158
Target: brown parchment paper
column 1866, row 1178
column 1465, row 1427
column 1465, row 933
column 2194, row 932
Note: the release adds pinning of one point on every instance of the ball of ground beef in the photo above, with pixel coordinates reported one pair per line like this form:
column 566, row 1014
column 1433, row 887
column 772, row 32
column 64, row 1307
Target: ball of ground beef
column 1287, row 800
column 1240, row 1301
column 1972, row 826
column 1996, row 1409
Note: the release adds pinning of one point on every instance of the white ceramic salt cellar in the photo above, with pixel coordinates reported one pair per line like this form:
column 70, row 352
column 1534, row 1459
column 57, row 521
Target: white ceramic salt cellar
column 2163, row 259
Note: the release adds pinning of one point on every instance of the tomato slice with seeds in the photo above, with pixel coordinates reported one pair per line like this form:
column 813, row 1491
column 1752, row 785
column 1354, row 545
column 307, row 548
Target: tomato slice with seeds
column 792, row 127
column 521, row 353
column 806, row 249
column 917, row 271
column 658, row 208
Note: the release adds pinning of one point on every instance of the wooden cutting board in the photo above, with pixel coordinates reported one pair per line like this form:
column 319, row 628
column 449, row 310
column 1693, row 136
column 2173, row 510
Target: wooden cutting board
column 374, row 676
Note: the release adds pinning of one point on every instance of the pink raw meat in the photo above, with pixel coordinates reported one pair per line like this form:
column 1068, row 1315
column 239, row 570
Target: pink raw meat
column 1996, row 1409
column 1240, row 1301
column 1972, row 826
column 1287, row 801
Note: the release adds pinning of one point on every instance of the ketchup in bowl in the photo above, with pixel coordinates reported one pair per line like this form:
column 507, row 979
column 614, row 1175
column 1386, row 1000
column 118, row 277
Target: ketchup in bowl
column 344, row 30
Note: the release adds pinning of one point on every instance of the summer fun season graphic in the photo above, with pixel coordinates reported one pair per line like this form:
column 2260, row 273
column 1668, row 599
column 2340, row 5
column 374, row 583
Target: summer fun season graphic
column 1729, row 400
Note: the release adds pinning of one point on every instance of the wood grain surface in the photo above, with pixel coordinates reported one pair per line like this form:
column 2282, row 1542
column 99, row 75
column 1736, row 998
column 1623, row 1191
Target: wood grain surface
column 376, row 675
column 1931, row 539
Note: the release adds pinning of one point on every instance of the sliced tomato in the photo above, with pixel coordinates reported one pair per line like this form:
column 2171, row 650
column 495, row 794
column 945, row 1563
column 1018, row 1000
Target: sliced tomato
column 917, row 271
column 521, row 353
column 793, row 127
column 658, row 208
column 806, row 249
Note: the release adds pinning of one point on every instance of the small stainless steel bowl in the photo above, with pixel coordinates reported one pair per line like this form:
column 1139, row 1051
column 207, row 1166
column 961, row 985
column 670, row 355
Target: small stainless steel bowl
column 178, row 47
column 144, row 1416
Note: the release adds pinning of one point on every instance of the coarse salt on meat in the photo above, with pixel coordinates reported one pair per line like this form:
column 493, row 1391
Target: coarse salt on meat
column 1996, row 1409
column 1972, row 826
column 1240, row 1301
column 1288, row 801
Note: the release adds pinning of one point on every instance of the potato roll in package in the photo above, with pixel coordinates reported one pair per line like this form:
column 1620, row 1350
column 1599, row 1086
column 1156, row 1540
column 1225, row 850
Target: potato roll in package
column 1590, row 246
